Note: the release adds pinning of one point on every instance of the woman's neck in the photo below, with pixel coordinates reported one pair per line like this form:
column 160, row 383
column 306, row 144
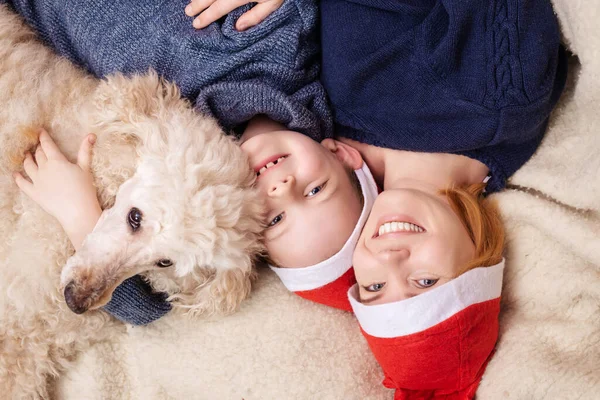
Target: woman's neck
column 393, row 168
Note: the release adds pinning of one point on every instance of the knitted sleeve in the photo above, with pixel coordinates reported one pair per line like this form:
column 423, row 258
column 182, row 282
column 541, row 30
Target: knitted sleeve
column 135, row 302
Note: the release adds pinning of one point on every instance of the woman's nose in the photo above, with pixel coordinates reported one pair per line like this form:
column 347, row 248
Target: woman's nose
column 282, row 187
column 393, row 256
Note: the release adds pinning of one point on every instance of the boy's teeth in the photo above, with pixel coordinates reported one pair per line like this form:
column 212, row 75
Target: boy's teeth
column 389, row 227
column 269, row 165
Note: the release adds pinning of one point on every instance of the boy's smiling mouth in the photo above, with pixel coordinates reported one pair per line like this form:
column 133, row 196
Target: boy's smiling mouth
column 269, row 163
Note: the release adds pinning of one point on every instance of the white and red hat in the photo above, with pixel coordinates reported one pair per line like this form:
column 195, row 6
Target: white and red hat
column 328, row 281
column 436, row 345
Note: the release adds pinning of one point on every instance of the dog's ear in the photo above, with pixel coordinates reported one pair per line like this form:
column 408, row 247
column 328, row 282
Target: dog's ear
column 223, row 226
column 132, row 105
column 218, row 291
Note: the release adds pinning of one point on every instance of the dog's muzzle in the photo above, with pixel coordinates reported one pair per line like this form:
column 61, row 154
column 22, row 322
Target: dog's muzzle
column 77, row 301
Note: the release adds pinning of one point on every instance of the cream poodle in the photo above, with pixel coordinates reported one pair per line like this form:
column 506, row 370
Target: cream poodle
column 191, row 182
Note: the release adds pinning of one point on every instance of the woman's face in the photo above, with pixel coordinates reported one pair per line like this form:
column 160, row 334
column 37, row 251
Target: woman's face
column 412, row 242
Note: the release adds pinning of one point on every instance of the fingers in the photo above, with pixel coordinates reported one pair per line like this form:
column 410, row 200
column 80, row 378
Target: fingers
column 197, row 6
column 30, row 166
column 23, row 184
column 215, row 11
column 49, row 147
column 84, row 156
column 40, row 156
column 257, row 14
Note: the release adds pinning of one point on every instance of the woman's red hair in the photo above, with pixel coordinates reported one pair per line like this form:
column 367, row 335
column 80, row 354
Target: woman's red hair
column 481, row 218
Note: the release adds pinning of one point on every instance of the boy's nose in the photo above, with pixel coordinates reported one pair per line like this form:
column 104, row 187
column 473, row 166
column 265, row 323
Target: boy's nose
column 282, row 187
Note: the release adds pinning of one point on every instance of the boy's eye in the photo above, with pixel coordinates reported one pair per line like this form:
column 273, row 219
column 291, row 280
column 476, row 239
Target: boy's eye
column 426, row 283
column 316, row 190
column 376, row 287
column 275, row 220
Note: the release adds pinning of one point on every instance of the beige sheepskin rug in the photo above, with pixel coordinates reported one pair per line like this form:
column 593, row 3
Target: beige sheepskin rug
column 282, row 347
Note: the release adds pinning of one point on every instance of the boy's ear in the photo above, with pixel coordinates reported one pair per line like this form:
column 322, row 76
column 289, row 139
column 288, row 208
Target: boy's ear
column 347, row 154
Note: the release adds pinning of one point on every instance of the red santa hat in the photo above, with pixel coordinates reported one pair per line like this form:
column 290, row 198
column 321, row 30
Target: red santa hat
column 328, row 281
column 436, row 345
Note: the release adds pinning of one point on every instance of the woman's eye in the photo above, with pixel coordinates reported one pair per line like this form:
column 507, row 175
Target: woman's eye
column 376, row 287
column 134, row 218
column 316, row 190
column 275, row 220
column 426, row 283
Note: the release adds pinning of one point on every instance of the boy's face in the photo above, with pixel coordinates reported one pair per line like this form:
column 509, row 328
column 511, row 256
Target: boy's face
column 412, row 242
column 311, row 202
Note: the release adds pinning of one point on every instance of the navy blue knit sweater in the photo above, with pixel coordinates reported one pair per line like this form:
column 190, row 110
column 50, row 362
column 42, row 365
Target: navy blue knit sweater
column 471, row 77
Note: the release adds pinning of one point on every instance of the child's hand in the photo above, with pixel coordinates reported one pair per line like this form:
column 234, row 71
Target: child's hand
column 62, row 189
column 212, row 10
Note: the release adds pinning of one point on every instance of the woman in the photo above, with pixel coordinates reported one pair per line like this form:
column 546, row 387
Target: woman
column 463, row 92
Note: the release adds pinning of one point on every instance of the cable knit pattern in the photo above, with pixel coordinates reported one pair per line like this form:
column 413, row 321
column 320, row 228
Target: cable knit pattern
column 508, row 88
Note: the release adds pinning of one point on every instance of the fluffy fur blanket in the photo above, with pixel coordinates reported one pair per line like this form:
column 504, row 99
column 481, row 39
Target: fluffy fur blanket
column 281, row 347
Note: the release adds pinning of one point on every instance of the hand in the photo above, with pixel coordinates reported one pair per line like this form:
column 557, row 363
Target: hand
column 63, row 189
column 212, row 10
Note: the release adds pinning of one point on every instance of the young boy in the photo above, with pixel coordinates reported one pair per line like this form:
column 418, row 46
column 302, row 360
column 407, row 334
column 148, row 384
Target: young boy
column 318, row 198
column 233, row 76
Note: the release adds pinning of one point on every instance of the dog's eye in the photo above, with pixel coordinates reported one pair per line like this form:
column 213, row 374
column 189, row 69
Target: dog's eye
column 134, row 218
column 164, row 263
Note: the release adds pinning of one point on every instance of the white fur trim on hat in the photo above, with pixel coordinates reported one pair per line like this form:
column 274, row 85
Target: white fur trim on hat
column 421, row 312
column 327, row 271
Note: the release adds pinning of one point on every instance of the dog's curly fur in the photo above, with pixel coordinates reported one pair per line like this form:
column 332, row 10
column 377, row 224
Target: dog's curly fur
column 191, row 182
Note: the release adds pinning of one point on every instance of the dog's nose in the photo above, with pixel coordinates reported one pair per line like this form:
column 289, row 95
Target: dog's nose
column 77, row 304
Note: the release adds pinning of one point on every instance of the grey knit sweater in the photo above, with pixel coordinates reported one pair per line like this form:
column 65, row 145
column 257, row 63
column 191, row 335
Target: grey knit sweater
column 270, row 69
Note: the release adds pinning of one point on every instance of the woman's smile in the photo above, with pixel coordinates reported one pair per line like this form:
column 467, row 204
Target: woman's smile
column 396, row 225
